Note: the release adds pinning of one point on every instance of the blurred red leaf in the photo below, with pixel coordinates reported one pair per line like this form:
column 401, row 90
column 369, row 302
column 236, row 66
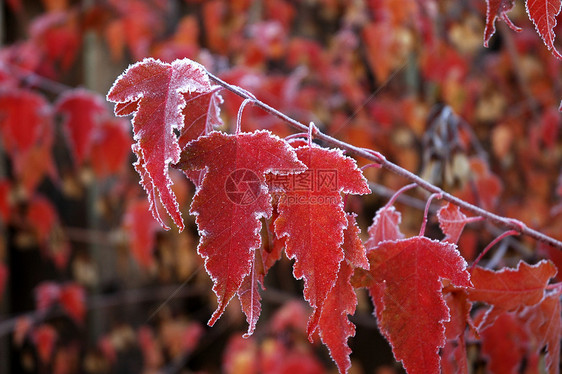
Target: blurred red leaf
column 42, row 216
column 82, row 111
column 111, row 146
column 46, row 295
column 409, row 305
column 73, row 299
column 156, row 92
column 229, row 203
column 544, row 324
column 543, row 14
column 309, row 208
column 22, row 116
column 44, row 338
column 3, row 278
column 504, row 343
column 58, row 37
column 141, row 229
column 5, row 204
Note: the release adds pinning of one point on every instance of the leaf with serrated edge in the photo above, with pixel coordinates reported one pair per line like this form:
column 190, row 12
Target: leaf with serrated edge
column 385, row 227
column 334, row 325
column 509, row 289
column 407, row 295
column 155, row 91
column 543, row 14
column 495, row 9
column 231, row 199
column 451, row 222
column 312, row 208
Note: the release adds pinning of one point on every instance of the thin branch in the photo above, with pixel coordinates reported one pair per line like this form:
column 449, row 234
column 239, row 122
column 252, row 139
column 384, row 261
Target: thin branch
column 351, row 149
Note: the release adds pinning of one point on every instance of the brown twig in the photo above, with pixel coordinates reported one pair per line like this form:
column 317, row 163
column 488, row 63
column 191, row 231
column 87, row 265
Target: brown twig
column 509, row 223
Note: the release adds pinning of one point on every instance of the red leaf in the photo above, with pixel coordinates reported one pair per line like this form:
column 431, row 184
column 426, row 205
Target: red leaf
column 57, row 36
column 156, row 92
column 231, row 200
column 202, row 115
column 141, row 230
column 73, row 300
column 451, row 222
column 44, row 220
column 46, row 295
column 81, row 110
column 454, row 352
column 334, row 325
column 311, row 207
column 410, row 308
column 3, row 278
column 543, row 14
column 22, row 116
column 44, row 338
column 5, row 204
column 111, row 145
column 385, row 227
column 504, row 342
column 509, row 289
column 495, row 9
column 544, row 323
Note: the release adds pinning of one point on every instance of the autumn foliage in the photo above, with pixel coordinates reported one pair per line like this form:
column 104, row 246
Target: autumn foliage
column 369, row 186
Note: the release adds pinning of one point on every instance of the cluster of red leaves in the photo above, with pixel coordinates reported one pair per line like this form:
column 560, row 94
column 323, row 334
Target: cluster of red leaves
column 405, row 277
column 325, row 81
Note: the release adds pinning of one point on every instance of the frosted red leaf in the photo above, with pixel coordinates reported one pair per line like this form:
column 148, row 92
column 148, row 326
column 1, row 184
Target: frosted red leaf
column 265, row 258
column 202, row 115
column 73, row 299
column 544, row 324
column 454, row 352
column 497, row 9
column 385, row 226
column 22, row 116
column 3, row 278
column 333, row 324
column 509, row 289
column 111, row 145
column 311, row 207
column 504, row 344
column 451, row 222
column 44, row 338
column 141, row 230
column 230, row 201
column 543, row 14
column 407, row 295
column 155, row 91
column 81, row 112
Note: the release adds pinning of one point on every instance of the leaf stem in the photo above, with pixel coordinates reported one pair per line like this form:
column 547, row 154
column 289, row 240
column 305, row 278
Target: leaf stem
column 426, row 211
column 378, row 158
column 492, row 243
